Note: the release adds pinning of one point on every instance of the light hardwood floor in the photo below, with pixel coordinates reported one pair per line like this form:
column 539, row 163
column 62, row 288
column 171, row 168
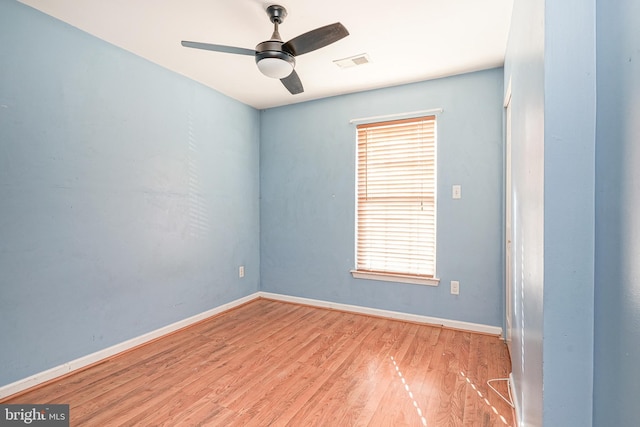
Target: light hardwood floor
column 270, row 363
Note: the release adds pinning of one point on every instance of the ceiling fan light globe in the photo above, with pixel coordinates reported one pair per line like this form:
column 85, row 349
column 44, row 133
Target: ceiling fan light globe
column 275, row 68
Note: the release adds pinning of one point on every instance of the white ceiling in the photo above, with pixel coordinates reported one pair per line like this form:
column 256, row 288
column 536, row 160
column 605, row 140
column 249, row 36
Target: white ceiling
column 406, row 40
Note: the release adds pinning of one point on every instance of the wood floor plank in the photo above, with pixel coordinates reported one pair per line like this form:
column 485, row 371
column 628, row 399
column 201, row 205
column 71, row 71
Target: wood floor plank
column 474, row 397
column 339, row 385
column 365, row 390
column 281, row 364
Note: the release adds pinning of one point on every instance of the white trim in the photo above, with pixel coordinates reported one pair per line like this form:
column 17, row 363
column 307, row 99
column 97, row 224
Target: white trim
column 389, row 277
column 65, row 368
column 454, row 324
column 516, row 403
column 397, row 115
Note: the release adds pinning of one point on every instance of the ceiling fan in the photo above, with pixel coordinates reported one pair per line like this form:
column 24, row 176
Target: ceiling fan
column 275, row 58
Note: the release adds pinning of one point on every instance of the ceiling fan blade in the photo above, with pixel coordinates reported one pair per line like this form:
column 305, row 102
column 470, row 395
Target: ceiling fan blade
column 315, row 39
column 219, row 48
column 292, row 83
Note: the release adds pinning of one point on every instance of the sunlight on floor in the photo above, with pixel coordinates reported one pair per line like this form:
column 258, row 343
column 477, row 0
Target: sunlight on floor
column 406, row 387
column 484, row 398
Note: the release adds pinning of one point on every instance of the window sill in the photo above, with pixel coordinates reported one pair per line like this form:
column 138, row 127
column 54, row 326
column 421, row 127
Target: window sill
column 389, row 277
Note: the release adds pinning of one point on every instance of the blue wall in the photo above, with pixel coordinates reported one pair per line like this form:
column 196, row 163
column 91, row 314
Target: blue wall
column 617, row 315
column 307, row 177
column 569, row 211
column 551, row 65
column 129, row 195
column 569, row 206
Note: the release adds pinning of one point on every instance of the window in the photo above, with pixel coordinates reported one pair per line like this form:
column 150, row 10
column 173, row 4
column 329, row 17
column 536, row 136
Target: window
column 396, row 201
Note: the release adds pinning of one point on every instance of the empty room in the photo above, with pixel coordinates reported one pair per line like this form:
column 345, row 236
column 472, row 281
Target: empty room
column 319, row 213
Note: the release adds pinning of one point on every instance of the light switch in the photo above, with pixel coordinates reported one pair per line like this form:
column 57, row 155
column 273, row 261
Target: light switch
column 457, row 192
column 455, row 287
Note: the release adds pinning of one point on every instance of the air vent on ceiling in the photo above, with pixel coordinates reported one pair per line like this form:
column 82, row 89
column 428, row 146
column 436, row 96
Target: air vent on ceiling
column 352, row 61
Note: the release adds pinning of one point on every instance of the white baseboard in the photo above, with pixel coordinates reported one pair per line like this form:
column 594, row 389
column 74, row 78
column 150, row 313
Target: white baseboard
column 81, row 362
column 454, row 324
column 516, row 402
column 65, row 368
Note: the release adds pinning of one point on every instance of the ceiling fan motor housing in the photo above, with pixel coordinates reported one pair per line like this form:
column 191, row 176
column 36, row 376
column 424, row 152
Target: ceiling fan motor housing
column 273, row 61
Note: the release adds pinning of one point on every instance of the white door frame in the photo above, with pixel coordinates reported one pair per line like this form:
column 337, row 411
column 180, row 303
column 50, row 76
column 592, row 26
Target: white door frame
column 508, row 213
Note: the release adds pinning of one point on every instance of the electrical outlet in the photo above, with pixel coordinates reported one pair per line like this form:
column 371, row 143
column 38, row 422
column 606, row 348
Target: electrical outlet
column 241, row 271
column 455, row 287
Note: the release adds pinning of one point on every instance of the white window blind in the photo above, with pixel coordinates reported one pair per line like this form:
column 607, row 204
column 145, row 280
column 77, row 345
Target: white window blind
column 396, row 200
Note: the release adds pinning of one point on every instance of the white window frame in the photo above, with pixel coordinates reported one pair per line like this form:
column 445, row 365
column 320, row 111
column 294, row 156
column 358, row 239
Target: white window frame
column 406, row 276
